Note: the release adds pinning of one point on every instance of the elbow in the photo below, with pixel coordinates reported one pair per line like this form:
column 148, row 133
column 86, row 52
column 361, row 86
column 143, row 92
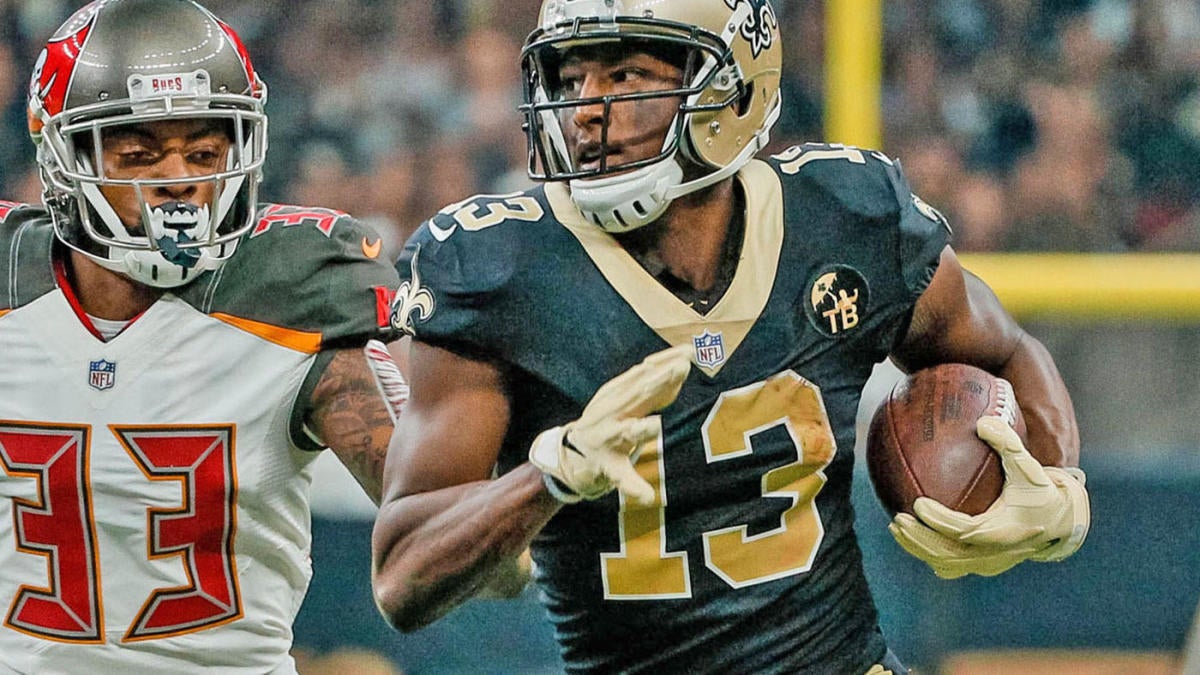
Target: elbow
column 395, row 604
column 405, row 603
column 395, row 596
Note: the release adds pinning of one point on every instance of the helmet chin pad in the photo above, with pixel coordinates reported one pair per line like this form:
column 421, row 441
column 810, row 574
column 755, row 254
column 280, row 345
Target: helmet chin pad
column 166, row 251
column 626, row 201
column 154, row 269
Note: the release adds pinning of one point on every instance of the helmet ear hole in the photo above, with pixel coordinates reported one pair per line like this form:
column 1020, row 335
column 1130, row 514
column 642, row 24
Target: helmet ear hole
column 744, row 100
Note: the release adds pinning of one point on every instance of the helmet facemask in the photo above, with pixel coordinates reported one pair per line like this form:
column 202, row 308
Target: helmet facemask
column 624, row 196
column 174, row 242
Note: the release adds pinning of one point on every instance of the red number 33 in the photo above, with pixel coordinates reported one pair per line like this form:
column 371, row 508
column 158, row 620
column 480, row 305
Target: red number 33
column 60, row 525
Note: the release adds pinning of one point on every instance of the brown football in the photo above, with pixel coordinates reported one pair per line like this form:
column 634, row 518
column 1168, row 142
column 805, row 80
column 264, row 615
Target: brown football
column 922, row 440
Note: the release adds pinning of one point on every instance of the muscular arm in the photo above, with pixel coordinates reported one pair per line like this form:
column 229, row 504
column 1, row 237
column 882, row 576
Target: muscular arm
column 959, row 319
column 349, row 415
column 445, row 530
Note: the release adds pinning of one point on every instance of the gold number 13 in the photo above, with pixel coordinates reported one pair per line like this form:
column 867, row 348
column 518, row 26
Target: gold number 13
column 644, row 569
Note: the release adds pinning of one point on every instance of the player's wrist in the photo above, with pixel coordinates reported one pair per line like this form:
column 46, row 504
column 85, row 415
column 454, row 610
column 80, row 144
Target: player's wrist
column 1077, row 517
column 546, row 454
column 560, row 491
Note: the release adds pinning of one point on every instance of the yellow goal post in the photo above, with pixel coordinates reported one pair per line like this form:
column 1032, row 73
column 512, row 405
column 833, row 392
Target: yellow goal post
column 1092, row 287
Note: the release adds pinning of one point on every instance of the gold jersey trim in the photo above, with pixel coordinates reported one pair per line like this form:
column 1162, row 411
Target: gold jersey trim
column 671, row 318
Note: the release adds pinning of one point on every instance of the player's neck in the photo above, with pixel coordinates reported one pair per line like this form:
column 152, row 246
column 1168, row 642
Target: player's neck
column 689, row 239
column 105, row 294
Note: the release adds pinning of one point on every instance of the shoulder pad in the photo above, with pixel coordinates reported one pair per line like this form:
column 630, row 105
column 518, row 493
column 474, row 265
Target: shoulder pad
column 872, row 185
column 307, row 269
column 857, row 178
column 462, row 256
column 487, row 212
column 472, row 243
column 26, row 240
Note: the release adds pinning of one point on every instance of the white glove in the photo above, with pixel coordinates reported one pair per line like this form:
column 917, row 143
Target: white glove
column 587, row 458
column 1042, row 514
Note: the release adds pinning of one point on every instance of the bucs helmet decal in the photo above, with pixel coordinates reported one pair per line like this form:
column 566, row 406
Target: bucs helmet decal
column 256, row 84
column 52, row 75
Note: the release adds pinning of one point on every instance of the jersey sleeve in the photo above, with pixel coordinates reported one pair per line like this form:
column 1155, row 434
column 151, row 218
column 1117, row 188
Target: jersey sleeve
column 855, row 213
column 26, row 238
column 452, row 278
column 921, row 233
column 312, row 271
column 315, row 274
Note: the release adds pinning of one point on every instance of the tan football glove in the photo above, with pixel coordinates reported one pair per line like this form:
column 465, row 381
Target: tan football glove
column 587, row 458
column 1042, row 514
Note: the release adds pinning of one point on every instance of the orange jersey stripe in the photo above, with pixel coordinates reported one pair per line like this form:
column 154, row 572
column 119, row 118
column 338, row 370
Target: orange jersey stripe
column 301, row 341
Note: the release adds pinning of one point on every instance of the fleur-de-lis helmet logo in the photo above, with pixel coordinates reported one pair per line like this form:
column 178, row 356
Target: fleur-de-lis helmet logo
column 759, row 28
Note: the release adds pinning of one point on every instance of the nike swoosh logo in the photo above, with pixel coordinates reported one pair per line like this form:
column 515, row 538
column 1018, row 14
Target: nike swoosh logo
column 372, row 250
column 442, row 233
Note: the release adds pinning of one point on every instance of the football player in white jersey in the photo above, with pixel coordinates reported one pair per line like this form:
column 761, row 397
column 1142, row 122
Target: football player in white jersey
column 175, row 354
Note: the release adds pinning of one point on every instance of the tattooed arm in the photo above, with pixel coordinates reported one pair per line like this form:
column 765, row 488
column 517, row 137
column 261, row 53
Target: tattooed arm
column 350, row 415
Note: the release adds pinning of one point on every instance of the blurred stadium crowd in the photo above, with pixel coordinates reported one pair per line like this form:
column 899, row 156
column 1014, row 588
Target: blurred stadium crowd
column 1069, row 125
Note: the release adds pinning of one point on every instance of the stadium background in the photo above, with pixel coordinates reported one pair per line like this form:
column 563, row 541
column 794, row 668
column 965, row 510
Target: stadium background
column 1061, row 138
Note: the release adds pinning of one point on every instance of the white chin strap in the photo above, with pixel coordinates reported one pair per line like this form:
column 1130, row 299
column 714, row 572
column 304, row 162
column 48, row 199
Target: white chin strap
column 631, row 200
column 627, row 201
column 153, row 269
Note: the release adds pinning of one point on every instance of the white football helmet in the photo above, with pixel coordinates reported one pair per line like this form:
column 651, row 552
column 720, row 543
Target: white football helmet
column 123, row 62
column 730, row 98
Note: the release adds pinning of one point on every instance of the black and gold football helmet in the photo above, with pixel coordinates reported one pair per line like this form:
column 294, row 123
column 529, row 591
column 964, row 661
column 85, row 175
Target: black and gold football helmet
column 729, row 98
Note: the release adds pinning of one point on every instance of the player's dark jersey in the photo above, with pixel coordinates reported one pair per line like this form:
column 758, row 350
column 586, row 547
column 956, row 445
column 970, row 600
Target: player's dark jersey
column 748, row 561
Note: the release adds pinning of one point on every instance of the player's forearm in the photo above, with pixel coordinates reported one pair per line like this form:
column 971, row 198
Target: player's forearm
column 1045, row 404
column 351, row 417
column 432, row 551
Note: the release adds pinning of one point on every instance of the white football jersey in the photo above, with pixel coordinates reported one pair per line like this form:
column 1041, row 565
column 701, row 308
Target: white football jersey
column 154, row 509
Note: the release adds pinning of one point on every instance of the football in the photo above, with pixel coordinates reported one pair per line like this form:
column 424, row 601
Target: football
column 922, row 440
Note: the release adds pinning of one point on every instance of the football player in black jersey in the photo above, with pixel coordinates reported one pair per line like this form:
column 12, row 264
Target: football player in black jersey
column 660, row 351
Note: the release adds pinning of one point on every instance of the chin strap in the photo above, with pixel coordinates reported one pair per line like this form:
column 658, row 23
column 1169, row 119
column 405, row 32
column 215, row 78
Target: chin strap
column 153, row 269
column 627, row 201
column 631, row 200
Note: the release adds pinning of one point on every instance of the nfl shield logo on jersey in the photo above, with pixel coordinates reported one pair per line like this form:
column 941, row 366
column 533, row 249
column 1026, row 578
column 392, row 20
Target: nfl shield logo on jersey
column 102, row 374
column 710, row 349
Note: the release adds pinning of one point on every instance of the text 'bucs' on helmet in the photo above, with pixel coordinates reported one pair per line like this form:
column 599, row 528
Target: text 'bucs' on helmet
column 729, row 98
column 130, row 62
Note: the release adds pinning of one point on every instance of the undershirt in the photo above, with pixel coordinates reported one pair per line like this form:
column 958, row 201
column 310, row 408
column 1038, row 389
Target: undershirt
column 107, row 328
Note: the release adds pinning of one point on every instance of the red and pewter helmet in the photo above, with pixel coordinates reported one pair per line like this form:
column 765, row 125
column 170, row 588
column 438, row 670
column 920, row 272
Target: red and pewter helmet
column 729, row 98
column 123, row 62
